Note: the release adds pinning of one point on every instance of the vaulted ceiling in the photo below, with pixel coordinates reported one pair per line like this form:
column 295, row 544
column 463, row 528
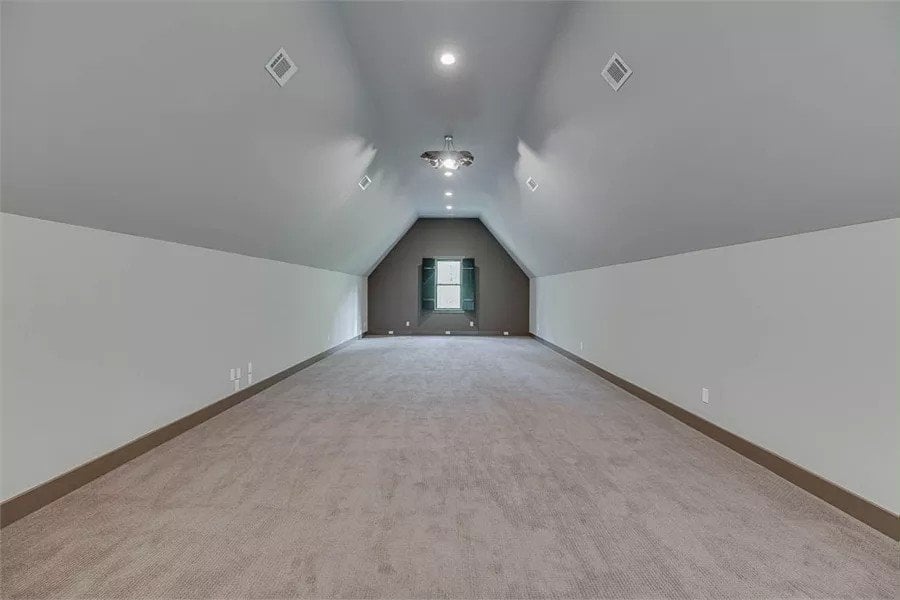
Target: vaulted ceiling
column 742, row 121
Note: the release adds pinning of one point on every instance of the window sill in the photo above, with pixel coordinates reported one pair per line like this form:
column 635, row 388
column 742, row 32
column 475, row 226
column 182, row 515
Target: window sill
column 449, row 310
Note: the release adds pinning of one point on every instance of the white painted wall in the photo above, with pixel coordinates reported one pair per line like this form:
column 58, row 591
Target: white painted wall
column 108, row 336
column 796, row 338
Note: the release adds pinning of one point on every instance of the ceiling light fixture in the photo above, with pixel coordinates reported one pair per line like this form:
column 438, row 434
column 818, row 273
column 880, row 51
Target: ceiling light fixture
column 448, row 173
column 447, row 59
column 449, row 157
column 449, row 207
column 448, row 193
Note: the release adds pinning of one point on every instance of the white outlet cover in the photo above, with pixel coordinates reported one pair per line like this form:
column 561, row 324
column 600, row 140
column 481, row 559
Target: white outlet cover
column 471, row 323
column 704, row 395
column 446, row 333
column 407, row 323
column 390, row 332
column 505, row 333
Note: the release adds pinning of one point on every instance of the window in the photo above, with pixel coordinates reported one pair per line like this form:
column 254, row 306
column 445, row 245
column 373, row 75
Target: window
column 449, row 286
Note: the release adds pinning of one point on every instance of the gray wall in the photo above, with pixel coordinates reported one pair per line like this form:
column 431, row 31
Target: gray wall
column 502, row 287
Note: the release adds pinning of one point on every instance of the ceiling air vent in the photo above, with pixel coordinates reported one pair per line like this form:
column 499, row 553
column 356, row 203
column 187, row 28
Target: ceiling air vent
column 616, row 72
column 364, row 182
column 281, row 67
column 531, row 183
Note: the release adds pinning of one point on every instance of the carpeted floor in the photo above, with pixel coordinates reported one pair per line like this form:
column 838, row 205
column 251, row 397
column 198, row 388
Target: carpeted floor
column 443, row 467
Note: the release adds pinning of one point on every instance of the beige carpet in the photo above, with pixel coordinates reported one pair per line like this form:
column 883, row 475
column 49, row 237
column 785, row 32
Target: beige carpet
column 451, row 468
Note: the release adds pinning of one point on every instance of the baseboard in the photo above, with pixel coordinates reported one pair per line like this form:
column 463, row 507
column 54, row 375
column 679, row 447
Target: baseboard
column 462, row 333
column 871, row 514
column 39, row 496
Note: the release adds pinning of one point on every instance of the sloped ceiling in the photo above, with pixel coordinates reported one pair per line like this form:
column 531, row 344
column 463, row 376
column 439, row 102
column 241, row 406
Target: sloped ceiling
column 742, row 121
column 159, row 119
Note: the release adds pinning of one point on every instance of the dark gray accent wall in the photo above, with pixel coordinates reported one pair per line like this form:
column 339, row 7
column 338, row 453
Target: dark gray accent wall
column 502, row 288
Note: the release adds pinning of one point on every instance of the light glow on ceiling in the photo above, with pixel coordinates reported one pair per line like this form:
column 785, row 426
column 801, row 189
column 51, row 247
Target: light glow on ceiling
column 449, row 207
column 448, row 173
column 448, row 58
column 448, row 193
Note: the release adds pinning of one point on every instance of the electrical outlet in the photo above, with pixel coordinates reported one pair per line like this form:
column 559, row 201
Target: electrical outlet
column 446, row 333
column 407, row 323
column 471, row 323
column 704, row 395
column 390, row 332
column 505, row 333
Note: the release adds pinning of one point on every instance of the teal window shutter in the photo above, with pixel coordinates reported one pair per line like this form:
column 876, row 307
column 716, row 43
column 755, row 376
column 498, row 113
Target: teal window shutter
column 429, row 287
column 468, row 284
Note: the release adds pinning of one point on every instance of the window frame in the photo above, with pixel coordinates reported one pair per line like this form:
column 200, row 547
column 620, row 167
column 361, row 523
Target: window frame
column 438, row 285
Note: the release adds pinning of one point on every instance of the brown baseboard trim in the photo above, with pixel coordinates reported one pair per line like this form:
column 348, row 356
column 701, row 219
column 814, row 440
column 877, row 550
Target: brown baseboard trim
column 871, row 514
column 442, row 334
column 37, row 497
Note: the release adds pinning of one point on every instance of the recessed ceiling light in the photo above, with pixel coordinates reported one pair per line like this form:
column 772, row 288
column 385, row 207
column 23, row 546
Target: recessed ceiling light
column 449, row 207
column 447, row 59
column 448, row 193
column 448, row 173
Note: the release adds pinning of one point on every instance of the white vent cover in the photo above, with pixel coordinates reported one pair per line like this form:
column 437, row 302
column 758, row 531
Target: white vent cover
column 616, row 72
column 364, row 182
column 531, row 183
column 281, row 67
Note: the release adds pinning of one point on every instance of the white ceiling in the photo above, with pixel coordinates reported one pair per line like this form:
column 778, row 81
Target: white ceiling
column 160, row 120
column 742, row 121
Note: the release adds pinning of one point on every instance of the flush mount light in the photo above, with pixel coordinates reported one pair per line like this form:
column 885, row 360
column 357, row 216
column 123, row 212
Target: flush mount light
column 448, row 173
column 448, row 193
column 448, row 58
column 531, row 183
column 449, row 157
column 364, row 182
column 449, row 207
